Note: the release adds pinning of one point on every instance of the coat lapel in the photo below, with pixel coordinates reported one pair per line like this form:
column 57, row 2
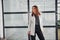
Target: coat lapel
column 41, row 22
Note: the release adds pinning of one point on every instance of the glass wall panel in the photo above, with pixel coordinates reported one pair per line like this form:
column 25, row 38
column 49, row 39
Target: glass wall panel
column 44, row 5
column 58, row 12
column 58, row 19
column 50, row 33
column 49, row 19
column 15, row 5
column 49, row 5
column 16, row 20
column 58, row 9
column 16, row 33
column 21, row 34
column 39, row 3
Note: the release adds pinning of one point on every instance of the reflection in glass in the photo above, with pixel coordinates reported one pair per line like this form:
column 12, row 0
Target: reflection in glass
column 58, row 19
column 58, row 13
column 58, row 0
column 58, row 10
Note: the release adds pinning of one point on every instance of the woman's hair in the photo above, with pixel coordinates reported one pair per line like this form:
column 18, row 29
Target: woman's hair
column 36, row 9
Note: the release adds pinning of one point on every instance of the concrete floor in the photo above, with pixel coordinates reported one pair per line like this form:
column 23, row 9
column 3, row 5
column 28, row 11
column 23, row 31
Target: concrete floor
column 58, row 34
column 21, row 34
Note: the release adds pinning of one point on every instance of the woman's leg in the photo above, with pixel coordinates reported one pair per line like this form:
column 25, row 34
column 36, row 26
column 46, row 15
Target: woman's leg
column 33, row 37
column 39, row 33
column 29, row 37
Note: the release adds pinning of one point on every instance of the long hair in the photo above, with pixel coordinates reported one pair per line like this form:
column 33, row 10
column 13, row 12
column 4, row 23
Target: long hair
column 38, row 13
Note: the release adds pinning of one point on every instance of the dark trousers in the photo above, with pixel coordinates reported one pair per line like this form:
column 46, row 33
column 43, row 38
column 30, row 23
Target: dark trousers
column 38, row 32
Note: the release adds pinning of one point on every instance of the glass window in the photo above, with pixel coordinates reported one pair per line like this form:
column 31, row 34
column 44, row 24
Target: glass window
column 16, row 34
column 50, row 33
column 58, row 12
column 39, row 3
column 58, row 19
column 49, row 19
column 49, row 5
column 15, row 6
column 16, row 19
column 43, row 5
column 58, row 0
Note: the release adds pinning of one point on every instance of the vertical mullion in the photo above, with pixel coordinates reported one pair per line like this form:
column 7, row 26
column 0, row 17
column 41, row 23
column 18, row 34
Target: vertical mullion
column 3, row 19
column 28, row 9
column 28, row 5
column 56, row 19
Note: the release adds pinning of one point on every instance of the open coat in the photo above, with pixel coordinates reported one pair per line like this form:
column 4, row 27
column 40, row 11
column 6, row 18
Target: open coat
column 31, row 24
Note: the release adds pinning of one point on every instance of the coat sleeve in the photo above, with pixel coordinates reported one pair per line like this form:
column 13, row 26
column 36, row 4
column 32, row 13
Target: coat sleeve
column 29, row 23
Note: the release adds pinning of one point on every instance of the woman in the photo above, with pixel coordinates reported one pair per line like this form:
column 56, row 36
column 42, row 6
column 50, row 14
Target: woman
column 35, row 24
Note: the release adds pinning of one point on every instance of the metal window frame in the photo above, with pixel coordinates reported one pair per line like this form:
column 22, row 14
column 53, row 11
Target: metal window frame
column 28, row 13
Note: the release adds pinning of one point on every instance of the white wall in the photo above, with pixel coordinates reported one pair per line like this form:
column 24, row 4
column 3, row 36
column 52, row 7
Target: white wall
column 1, row 23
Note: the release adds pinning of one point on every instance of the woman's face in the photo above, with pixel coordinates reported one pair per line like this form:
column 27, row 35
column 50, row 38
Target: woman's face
column 34, row 10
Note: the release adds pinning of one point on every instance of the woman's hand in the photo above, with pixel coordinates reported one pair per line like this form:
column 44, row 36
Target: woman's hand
column 29, row 32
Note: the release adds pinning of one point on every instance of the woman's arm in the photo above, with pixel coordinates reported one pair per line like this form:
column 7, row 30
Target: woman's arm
column 29, row 24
